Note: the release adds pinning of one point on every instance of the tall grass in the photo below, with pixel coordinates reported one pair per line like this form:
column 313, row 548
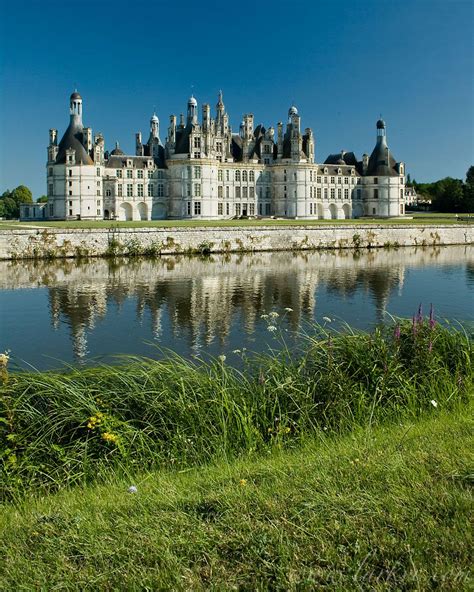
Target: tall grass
column 59, row 429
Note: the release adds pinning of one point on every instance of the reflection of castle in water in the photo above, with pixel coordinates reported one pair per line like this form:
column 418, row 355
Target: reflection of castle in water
column 202, row 298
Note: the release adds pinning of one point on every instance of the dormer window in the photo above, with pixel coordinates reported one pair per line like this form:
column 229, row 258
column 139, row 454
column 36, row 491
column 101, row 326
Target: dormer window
column 352, row 172
column 325, row 170
column 129, row 163
column 339, row 171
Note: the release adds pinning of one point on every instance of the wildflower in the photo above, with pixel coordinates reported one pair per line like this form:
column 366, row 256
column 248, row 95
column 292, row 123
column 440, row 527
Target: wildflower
column 432, row 319
column 222, row 358
column 288, row 309
column 4, row 360
column 132, row 489
column 236, row 351
column 271, row 328
column 287, row 430
column 413, row 322
column 327, row 320
column 109, row 437
column 420, row 314
column 274, row 315
column 264, row 316
column 243, row 482
column 434, row 403
column 396, row 333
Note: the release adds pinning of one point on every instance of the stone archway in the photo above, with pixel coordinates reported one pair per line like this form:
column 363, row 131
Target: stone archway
column 333, row 211
column 158, row 211
column 320, row 211
column 142, row 210
column 125, row 211
column 358, row 211
column 346, row 209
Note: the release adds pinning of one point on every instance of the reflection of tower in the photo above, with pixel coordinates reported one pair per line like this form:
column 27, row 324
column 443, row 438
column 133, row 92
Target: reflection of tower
column 79, row 337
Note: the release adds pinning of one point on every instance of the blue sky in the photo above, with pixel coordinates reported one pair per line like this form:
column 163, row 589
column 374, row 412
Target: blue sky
column 342, row 63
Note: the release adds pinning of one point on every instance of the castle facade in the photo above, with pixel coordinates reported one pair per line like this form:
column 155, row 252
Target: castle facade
column 205, row 171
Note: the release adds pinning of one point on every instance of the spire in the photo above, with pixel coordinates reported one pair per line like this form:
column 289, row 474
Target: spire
column 192, row 110
column 75, row 107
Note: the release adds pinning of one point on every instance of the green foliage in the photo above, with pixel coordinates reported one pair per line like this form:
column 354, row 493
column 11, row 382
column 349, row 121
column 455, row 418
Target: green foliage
column 65, row 428
column 42, row 199
column 11, row 201
column 448, row 194
column 379, row 509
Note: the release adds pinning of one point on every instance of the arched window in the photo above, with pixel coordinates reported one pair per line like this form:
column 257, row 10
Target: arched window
column 237, row 175
column 244, row 176
column 252, row 176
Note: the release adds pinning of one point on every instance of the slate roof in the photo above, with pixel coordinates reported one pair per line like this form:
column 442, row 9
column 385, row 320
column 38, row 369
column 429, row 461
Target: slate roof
column 73, row 138
column 381, row 162
column 348, row 158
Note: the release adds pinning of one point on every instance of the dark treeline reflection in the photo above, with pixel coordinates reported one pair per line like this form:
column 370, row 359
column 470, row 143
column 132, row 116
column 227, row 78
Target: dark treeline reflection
column 201, row 301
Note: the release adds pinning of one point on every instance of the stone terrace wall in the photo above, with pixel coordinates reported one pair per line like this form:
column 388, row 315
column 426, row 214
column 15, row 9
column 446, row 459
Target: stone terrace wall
column 57, row 242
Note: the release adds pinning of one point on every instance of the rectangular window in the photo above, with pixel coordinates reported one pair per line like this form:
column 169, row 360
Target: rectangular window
column 252, row 176
column 197, row 191
column 220, row 191
column 119, row 190
column 318, row 191
column 70, row 212
column 140, row 189
column 325, row 193
column 220, row 175
column 346, row 180
column 140, row 174
column 251, row 209
column 237, row 175
column 244, row 176
column 376, row 181
column 98, row 202
column 339, row 180
column 188, row 209
column 227, row 191
column 218, row 146
column 245, row 192
column 333, row 179
column 98, row 172
column 188, row 190
column 98, row 191
column 119, row 173
column 197, row 208
column 70, row 193
column 197, row 154
column 150, row 190
column 310, row 209
column 197, row 142
column 69, row 172
column 325, row 179
column 98, row 183
column 150, row 174
column 227, row 175
column 359, row 193
column 339, row 194
column 333, row 193
column 129, row 190
column 227, row 209
column 251, row 191
column 346, row 193
column 268, row 209
column 318, row 179
column 161, row 190
column 129, row 174
column 237, row 209
column 237, row 192
column 220, row 209
column 159, row 174
column 70, row 203
column 267, row 192
column 197, row 172
column 376, row 193
column 70, row 183
column 98, row 212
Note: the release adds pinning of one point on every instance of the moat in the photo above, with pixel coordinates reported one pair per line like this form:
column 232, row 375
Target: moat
column 67, row 311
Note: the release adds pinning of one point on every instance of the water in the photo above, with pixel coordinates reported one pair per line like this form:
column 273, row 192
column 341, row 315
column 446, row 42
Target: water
column 53, row 312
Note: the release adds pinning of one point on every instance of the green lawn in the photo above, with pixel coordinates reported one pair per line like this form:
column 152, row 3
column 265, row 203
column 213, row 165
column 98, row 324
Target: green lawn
column 377, row 509
column 418, row 218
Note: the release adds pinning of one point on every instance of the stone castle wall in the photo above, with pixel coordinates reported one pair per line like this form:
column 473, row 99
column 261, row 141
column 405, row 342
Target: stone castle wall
column 56, row 242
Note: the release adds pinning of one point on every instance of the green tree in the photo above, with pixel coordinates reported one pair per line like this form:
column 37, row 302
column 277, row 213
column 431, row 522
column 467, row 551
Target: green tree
column 448, row 195
column 22, row 195
column 42, row 199
column 469, row 190
column 10, row 207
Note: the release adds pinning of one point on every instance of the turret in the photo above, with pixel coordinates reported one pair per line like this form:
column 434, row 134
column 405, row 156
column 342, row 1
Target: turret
column 155, row 127
column 192, row 110
column 172, row 130
column 138, row 144
column 75, row 107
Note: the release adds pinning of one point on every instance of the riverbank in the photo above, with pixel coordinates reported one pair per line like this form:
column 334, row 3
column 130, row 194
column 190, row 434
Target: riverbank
column 381, row 508
column 48, row 242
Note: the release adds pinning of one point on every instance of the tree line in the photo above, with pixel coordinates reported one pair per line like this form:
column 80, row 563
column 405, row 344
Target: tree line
column 448, row 194
column 10, row 201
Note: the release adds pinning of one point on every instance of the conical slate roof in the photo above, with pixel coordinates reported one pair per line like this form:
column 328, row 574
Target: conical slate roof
column 73, row 139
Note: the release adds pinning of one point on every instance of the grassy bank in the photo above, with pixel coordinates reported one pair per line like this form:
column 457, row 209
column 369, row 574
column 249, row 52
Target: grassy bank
column 412, row 218
column 378, row 509
column 62, row 429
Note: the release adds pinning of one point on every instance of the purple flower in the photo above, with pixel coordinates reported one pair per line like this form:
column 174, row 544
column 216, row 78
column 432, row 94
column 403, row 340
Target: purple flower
column 432, row 319
column 420, row 315
column 414, row 325
column 396, row 333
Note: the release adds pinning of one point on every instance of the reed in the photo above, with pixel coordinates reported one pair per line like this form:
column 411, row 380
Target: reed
column 73, row 427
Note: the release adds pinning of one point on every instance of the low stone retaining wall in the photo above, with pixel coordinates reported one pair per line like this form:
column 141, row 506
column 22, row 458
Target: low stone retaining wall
column 56, row 242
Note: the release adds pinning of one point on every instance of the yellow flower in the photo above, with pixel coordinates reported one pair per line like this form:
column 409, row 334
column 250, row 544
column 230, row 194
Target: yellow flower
column 108, row 437
column 287, row 430
column 243, row 482
column 4, row 360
